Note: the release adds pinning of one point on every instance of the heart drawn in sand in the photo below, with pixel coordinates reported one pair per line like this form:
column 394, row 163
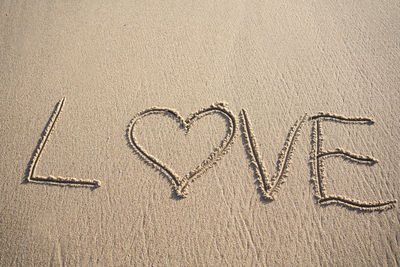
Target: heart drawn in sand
column 180, row 184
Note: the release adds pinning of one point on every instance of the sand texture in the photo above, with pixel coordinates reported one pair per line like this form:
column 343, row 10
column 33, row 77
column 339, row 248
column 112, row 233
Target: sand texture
column 199, row 133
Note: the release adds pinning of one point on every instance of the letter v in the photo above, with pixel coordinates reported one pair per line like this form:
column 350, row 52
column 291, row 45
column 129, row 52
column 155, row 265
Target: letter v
column 270, row 187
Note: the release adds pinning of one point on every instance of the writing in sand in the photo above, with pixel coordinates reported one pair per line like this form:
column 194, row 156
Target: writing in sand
column 268, row 186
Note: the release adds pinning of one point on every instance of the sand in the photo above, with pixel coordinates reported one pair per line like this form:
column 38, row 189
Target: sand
column 182, row 133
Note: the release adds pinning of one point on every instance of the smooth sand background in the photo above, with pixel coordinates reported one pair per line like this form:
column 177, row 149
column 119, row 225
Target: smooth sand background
column 277, row 59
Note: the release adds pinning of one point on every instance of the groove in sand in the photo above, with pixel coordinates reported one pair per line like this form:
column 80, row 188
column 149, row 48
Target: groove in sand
column 342, row 119
column 180, row 185
column 269, row 188
column 348, row 155
column 359, row 205
column 68, row 181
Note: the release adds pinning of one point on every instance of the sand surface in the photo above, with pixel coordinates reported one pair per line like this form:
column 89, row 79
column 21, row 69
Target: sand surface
column 277, row 60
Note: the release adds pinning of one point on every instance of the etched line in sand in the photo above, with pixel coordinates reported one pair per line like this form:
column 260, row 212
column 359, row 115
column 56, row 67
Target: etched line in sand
column 318, row 171
column 339, row 152
column 66, row 181
column 269, row 188
column 181, row 184
column 315, row 162
column 342, row 119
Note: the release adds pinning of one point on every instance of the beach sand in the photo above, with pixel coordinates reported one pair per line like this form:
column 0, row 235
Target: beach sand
column 97, row 95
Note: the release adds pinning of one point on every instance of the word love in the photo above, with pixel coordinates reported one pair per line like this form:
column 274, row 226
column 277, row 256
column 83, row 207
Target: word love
column 268, row 186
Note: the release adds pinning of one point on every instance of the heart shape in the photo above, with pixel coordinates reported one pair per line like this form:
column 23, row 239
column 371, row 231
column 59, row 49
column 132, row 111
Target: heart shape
column 179, row 184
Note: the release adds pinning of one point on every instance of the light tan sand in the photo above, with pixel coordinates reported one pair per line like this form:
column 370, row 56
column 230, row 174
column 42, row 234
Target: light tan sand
column 271, row 62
